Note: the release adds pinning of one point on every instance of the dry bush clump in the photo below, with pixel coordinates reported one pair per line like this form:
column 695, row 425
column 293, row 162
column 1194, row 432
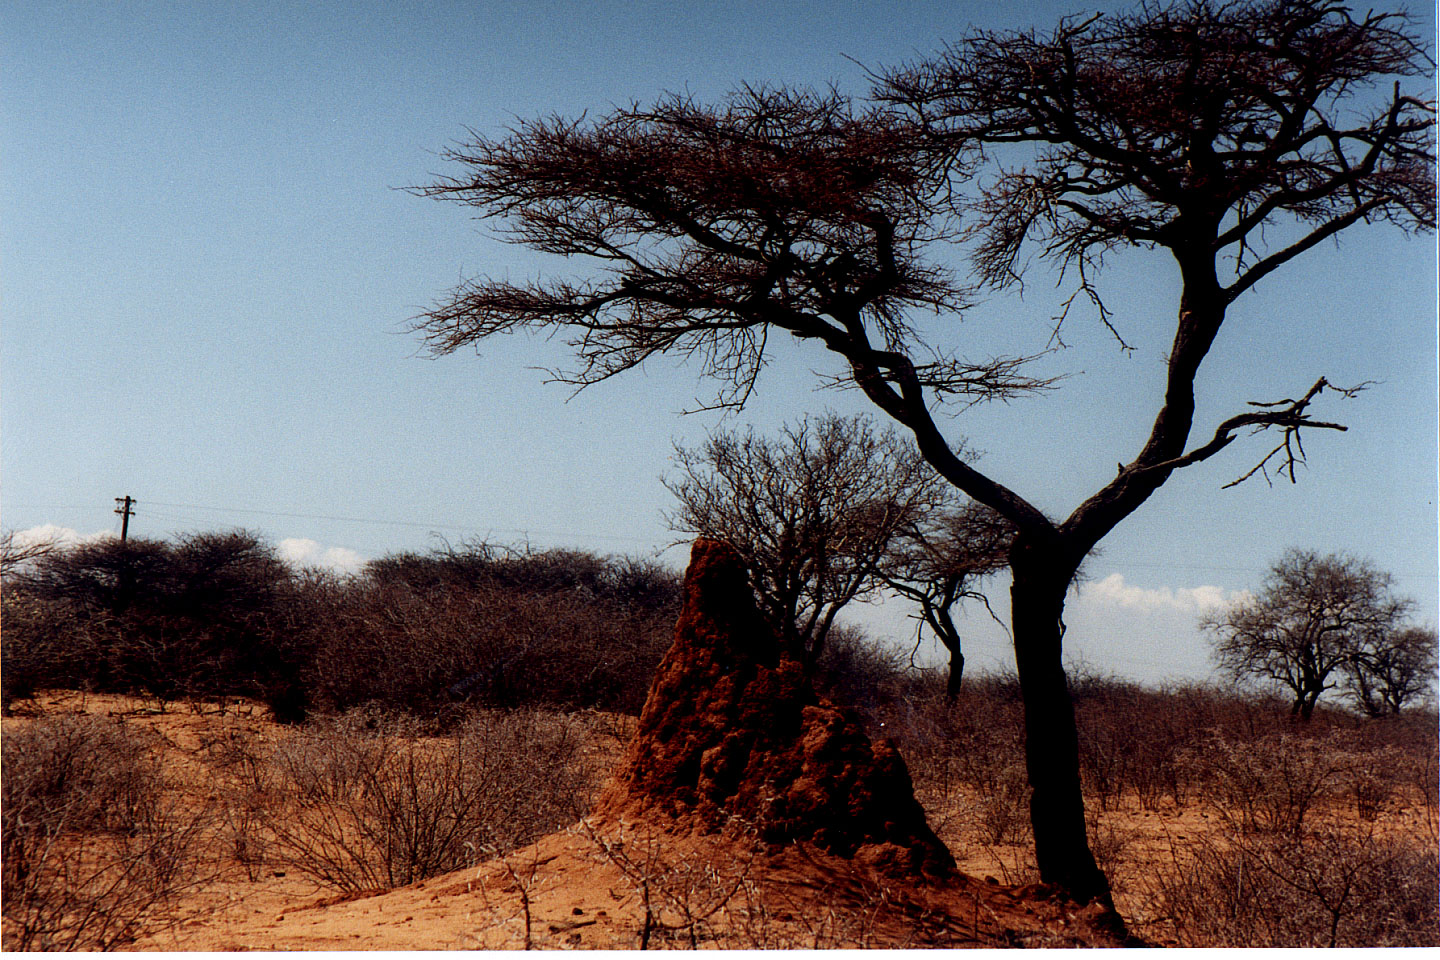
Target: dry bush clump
column 219, row 614
column 94, row 847
column 492, row 626
column 363, row 802
column 966, row 757
column 207, row 615
column 1323, row 886
column 1267, row 785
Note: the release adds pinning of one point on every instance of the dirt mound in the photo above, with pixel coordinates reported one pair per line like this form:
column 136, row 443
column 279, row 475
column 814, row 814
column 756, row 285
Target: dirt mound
column 733, row 738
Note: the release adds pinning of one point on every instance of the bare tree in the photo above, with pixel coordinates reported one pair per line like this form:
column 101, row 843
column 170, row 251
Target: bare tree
column 1188, row 128
column 1316, row 618
column 813, row 513
column 937, row 561
column 1395, row 668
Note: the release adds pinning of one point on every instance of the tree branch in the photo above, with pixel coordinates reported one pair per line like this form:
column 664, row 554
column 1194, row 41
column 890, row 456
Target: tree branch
column 1288, row 415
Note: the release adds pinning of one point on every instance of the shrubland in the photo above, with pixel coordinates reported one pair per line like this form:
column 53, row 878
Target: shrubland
column 215, row 615
column 451, row 704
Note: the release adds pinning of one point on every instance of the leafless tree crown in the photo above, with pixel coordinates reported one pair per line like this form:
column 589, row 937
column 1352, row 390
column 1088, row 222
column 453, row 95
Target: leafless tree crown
column 1321, row 621
column 814, row 513
column 1189, row 126
column 776, row 208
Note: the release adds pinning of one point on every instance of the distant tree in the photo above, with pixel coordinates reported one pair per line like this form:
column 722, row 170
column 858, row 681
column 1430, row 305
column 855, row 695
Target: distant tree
column 1206, row 130
column 1316, row 619
column 937, row 561
column 813, row 513
column 1397, row 667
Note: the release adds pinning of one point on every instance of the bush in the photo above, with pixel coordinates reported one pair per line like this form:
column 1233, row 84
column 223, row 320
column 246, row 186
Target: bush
column 212, row 614
column 362, row 802
column 965, row 757
column 554, row 629
column 218, row 614
column 1268, row 785
column 857, row 671
column 90, row 846
column 43, row 643
column 1313, row 888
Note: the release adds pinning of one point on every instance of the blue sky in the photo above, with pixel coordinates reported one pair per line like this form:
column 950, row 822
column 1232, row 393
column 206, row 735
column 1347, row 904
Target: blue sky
column 207, row 267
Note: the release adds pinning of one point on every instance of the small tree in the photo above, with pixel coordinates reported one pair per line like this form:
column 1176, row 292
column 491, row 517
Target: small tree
column 812, row 513
column 936, row 562
column 1316, row 618
column 1397, row 667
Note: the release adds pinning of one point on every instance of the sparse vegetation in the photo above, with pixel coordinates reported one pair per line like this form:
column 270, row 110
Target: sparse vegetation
column 1222, row 820
column 364, row 802
column 95, row 848
column 443, row 733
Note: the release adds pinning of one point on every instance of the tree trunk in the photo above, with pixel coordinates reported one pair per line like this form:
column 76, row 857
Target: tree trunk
column 953, row 678
column 1052, row 748
column 937, row 616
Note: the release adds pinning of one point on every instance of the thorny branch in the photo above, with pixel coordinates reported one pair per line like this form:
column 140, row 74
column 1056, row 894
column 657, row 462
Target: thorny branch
column 1288, row 415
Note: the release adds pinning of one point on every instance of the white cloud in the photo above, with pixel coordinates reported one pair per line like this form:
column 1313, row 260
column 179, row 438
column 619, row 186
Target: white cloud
column 60, row 536
column 1113, row 591
column 300, row 552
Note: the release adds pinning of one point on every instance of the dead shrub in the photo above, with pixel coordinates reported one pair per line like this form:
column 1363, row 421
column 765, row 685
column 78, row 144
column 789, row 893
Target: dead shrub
column 1313, row 888
column 679, row 895
column 1131, row 740
column 93, row 848
column 969, row 752
column 1372, row 780
column 364, row 803
column 1267, row 785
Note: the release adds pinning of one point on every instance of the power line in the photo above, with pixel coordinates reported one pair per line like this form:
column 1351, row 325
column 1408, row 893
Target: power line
column 402, row 523
column 1428, row 575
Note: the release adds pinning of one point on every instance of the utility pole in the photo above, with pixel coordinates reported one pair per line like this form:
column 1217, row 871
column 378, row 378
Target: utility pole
column 126, row 509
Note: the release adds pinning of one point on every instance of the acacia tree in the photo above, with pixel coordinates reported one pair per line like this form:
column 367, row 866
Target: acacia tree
column 936, row 562
column 813, row 513
column 1187, row 128
column 1316, row 619
column 1396, row 668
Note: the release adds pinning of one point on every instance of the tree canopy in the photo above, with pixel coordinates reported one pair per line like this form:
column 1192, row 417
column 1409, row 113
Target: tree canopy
column 814, row 513
column 1321, row 622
